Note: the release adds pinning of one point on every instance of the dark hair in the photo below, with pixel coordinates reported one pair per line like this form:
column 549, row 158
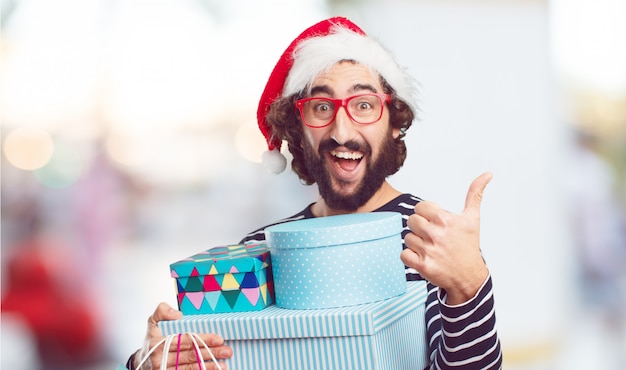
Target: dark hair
column 284, row 121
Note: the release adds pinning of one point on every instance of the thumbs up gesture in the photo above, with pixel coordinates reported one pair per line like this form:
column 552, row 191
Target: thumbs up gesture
column 445, row 247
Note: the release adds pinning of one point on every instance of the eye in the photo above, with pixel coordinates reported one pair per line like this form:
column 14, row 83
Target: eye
column 363, row 105
column 323, row 106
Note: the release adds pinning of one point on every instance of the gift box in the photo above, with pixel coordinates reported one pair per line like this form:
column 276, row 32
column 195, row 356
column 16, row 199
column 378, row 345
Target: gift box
column 384, row 335
column 224, row 279
column 337, row 261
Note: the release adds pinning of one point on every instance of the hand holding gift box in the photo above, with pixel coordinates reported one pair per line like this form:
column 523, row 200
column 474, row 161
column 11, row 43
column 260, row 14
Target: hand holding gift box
column 187, row 355
column 168, row 343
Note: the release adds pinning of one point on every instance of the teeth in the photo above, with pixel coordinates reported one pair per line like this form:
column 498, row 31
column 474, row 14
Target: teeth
column 347, row 155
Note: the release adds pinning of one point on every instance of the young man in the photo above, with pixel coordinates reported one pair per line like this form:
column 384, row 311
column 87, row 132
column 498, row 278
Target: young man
column 343, row 105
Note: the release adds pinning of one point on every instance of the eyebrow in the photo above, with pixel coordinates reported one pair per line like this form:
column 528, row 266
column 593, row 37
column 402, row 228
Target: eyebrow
column 325, row 89
column 360, row 87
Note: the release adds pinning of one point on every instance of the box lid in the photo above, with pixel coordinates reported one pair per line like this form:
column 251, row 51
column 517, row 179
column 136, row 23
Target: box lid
column 333, row 230
column 278, row 323
column 234, row 258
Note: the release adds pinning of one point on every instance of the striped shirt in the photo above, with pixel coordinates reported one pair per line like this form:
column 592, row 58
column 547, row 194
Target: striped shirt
column 459, row 337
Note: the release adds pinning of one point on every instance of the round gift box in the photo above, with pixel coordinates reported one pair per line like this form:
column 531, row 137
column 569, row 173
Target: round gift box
column 337, row 261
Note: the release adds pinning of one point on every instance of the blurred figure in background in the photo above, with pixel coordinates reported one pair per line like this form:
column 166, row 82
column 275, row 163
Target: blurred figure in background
column 55, row 245
column 599, row 231
column 45, row 294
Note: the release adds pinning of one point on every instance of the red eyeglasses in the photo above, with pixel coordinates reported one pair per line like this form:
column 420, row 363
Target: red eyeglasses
column 363, row 109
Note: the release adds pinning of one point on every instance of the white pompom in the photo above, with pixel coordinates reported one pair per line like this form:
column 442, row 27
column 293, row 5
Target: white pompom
column 274, row 161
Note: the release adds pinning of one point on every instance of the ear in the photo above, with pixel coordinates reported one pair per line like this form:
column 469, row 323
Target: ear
column 395, row 132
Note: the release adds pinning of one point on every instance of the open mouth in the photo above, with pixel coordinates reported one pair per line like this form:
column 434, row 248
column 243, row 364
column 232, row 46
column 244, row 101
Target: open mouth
column 348, row 161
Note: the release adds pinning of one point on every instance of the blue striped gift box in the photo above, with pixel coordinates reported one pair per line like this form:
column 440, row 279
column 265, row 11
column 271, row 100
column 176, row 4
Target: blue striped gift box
column 384, row 335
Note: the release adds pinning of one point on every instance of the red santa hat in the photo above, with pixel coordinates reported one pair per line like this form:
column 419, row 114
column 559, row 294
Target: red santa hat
column 315, row 50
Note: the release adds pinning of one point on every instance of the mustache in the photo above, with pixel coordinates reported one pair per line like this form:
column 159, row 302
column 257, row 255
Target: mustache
column 330, row 144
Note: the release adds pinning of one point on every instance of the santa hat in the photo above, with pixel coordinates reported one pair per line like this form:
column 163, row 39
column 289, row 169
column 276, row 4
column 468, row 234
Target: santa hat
column 315, row 50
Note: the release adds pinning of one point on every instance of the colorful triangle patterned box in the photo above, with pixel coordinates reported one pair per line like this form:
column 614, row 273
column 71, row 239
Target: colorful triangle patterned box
column 229, row 278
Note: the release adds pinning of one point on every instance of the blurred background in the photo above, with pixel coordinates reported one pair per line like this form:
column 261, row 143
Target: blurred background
column 129, row 141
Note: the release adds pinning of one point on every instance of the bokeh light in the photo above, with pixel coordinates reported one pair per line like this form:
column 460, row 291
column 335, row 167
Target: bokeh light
column 250, row 145
column 63, row 169
column 28, row 148
column 128, row 150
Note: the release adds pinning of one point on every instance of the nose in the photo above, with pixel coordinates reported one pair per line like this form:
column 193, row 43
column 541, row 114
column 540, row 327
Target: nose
column 343, row 129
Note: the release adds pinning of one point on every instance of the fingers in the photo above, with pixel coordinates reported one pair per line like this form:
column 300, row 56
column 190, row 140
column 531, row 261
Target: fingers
column 214, row 341
column 413, row 256
column 428, row 210
column 183, row 351
column 475, row 193
column 422, row 232
column 189, row 359
column 210, row 365
column 430, row 223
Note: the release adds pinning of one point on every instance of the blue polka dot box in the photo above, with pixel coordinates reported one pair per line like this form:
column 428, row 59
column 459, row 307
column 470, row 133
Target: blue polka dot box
column 337, row 261
column 230, row 278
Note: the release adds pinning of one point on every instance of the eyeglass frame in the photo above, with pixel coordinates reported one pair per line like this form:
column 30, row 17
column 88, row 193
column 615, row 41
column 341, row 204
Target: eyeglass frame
column 342, row 103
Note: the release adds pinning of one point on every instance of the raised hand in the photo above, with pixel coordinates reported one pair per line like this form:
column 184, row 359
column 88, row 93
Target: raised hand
column 445, row 247
column 187, row 359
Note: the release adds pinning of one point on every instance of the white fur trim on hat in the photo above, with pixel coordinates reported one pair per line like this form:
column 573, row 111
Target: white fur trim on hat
column 318, row 54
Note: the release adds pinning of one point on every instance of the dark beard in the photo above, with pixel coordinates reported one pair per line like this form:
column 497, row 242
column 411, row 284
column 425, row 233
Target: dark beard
column 375, row 174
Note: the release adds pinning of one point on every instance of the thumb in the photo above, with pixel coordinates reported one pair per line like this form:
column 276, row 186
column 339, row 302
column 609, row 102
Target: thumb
column 475, row 193
column 163, row 312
